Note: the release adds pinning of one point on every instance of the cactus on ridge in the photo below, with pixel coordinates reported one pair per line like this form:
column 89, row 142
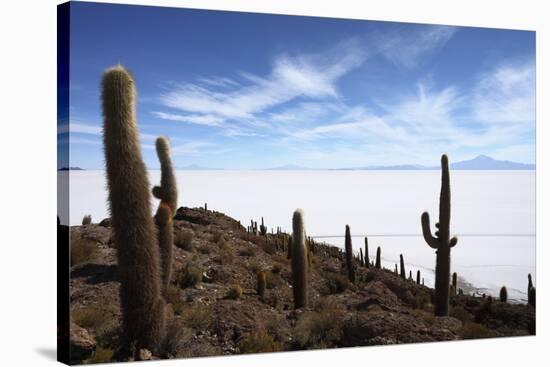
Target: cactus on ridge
column 349, row 256
column 418, row 277
column 367, row 261
column 361, row 260
column 299, row 262
column 531, row 296
column 143, row 316
column 503, row 294
column 402, row 271
column 442, row 242
column 378, row 264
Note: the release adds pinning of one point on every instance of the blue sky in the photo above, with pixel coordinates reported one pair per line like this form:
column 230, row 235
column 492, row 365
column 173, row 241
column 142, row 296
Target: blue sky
column 247, row 91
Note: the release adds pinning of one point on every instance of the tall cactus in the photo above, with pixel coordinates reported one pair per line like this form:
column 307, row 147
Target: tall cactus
column 367, row 261
column 402, row 271
column 349, row 256
column 299, row 262
column 361, row 259
column 441, row 242
column 418, row 277
column 378, row 264
column 129, row 203
column 167, row 192
column 503, row 295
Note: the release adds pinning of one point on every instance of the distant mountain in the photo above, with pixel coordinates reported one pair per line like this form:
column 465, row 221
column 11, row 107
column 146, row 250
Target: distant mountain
column 288, row 167
column 71, row 169
column 196, row 167
column 483, row 162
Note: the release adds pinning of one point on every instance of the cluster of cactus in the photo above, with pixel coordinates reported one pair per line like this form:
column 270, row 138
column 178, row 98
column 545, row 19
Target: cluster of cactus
column 349, row 256
column 299, row 261
column 135, row 235
column 442, row 242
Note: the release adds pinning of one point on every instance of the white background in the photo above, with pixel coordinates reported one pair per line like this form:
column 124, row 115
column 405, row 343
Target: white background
column 28, row 184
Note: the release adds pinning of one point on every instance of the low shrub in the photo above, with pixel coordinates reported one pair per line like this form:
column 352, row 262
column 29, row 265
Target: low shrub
column 277, row 268
column 248, row 251
column 184, row 239
column 91, row 318
column 189, row 276
column 197, row 317
column 472, row 330
column 234, row 292
column 321, row 328
column 259, row 342
column 82, row 250
column 458, row 312
column 102, row 355
column 335, row 283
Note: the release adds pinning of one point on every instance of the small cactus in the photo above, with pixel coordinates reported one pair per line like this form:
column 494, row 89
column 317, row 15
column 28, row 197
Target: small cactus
column 455, row 280
column 378, row 264
column 402, row 266
column 349, row 256
column 418, row 277
column 442, row 242
column 361, row 260
column 367, row 261
column 263, row 228
column 261, row 283
column 395, row 270
column 530, row 282
column 503, row 294
column 299, row 262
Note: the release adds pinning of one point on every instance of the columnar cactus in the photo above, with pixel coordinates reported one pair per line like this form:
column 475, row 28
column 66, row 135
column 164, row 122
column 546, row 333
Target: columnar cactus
column 289, row 248
column 129, row 204
column 263, row 228
column 349, row 256
column 454, row 283
column 299, row 262
column 530, row 282
column 261, row 283
column 402, row 266
column 167, row 193
column 361, row 260
column 378, row 264
column 531, row 296
column 441, row 242
column 418, row 277
column 503, row 294
column 367, row 261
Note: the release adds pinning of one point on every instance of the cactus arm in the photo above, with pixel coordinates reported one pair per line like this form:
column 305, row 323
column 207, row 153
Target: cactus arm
column 157, row 192
column 453, row 242
column 430, row 240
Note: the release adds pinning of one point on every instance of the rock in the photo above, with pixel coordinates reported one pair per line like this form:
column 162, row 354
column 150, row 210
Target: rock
column 105, row 222
column 82, row 344
column 145, row 355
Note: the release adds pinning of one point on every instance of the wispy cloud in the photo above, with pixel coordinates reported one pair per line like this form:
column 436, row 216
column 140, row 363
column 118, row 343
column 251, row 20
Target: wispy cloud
column 291, row 76
column 408, row 49
column 208, row 120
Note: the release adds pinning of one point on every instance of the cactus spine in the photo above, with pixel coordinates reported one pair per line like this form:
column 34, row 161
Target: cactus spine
column 299, row 262
column 378, row 264
column 129, row 203
column 167, row 193
column 349, row 256
column 402, row 266
column 367, row 261
column 442, row 242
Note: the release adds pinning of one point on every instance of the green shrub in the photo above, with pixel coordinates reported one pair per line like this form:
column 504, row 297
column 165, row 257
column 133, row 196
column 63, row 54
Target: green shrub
column 458, row 312
column 89, row 317
column 248, row 251
column 184, row 239
column 189, row 276
column 321, row 328
column 197, row 317
column 335, row 283
column 82, row 251
column 234, row 292
column 102, row 355
column 259, row 342
column 472, row 330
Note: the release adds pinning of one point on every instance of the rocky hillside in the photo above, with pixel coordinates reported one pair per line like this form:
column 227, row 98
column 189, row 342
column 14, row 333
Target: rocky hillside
column 215, row 308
